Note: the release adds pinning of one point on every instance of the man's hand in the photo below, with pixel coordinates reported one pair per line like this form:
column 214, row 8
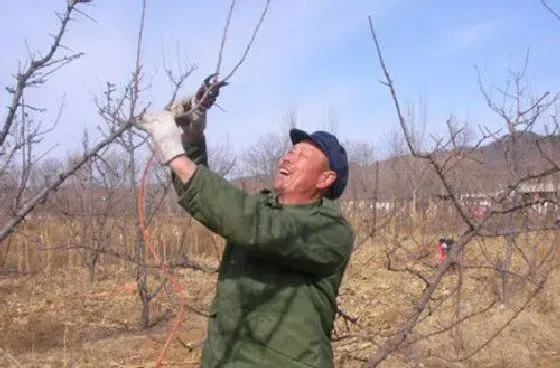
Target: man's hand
column 193, row 109
column 209, row 91
column 164, row 133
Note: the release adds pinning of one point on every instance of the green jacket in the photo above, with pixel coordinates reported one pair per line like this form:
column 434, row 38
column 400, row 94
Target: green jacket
column 279, row 275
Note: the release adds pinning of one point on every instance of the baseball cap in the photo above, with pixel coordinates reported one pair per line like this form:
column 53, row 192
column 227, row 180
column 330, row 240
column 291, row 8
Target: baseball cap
column 335, row 152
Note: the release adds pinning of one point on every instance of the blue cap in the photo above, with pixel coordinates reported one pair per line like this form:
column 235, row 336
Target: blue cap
column 331, row 147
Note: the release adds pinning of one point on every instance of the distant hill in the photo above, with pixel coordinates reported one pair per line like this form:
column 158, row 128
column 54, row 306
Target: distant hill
column 485, row 168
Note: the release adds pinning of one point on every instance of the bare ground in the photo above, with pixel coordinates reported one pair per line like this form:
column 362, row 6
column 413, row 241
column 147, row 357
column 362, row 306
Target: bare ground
column 63, row 320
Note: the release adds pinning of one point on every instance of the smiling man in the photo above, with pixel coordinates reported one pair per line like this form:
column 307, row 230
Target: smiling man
column 286, row 250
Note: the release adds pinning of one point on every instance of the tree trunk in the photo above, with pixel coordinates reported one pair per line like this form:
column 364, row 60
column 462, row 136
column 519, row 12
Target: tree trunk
column 140, row 248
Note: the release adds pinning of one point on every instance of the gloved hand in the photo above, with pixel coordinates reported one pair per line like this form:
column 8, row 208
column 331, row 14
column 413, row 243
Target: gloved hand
column 209, row 91
column 192, row 122
column 193, row 108
column 164, row 134
column 185, row 114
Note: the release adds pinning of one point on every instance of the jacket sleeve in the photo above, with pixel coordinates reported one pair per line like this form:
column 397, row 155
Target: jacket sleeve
column 198, row 153
column 317, row 242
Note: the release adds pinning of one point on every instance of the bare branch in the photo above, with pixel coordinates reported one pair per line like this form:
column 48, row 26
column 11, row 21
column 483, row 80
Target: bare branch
column 39, row 67
column 253, row 36
column 11, row 358
column 456, row 322
column 138, row 67
column 394, row 343
column 505, row 325
column 550, row 10
column 177, row 82
column 224, row 37
column 438, row 169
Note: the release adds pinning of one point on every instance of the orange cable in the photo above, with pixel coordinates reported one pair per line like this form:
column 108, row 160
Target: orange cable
column 163, row 265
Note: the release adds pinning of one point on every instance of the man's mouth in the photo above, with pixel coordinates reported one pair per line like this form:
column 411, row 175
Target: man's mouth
column 283, row 171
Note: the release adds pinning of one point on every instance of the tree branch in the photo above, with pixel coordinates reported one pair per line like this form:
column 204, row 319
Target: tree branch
column 23, row 79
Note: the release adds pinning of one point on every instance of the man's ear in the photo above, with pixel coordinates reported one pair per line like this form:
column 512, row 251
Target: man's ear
column 326, row 179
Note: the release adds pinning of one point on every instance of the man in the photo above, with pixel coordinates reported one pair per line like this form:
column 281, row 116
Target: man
column 286, row 250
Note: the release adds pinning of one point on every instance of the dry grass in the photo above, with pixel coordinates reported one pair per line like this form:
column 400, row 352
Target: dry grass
column 56, row 317
column 63, row 320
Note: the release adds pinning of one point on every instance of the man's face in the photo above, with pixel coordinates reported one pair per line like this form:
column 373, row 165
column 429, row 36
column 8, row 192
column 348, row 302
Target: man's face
column 302, row 172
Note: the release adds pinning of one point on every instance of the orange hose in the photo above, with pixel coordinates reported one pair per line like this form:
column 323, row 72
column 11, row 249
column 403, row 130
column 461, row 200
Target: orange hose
column 163, row 265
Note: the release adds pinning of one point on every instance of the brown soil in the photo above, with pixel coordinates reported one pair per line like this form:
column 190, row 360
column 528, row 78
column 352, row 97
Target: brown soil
column 63, row 320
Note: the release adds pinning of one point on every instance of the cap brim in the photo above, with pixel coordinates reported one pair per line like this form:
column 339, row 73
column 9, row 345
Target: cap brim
column 298, row 135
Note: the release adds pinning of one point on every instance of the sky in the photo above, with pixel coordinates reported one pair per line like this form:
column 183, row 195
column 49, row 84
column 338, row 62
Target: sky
column 314, row 57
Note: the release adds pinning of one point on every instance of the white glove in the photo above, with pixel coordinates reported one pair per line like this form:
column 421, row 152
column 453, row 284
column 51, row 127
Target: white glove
column 164, row 133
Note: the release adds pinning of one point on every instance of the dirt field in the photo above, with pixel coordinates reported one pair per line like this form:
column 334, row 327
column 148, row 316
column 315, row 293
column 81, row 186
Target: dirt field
column 63, row 320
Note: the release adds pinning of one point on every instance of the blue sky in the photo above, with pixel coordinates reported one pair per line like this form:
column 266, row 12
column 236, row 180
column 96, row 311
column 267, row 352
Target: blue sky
column 314, row 56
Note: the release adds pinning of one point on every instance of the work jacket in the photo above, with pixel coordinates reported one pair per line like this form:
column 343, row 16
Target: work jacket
column 279, row 274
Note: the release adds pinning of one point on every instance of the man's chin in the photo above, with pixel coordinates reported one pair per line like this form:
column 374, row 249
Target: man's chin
column 278, row 184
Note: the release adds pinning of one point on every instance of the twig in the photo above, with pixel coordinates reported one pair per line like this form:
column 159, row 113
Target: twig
column 438, row 169
column 253, row 36
column 138, row 67
column 190, row 346
column 550, row 10
column 11, row 357
column 178, row 83
column 25, row 78
column 224, row 37
column 345, row 315
column 505, row 325
column 184, row 262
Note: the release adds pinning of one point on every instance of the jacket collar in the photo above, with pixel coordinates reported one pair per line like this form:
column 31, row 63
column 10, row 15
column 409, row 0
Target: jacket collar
column 272, row 200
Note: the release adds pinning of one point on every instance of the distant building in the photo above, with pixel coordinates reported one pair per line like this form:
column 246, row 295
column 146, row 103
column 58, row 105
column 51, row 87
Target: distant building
column 545, row 196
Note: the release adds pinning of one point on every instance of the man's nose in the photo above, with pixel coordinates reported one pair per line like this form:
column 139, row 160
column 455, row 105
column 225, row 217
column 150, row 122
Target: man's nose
column 286, row 159
column 289, row 154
